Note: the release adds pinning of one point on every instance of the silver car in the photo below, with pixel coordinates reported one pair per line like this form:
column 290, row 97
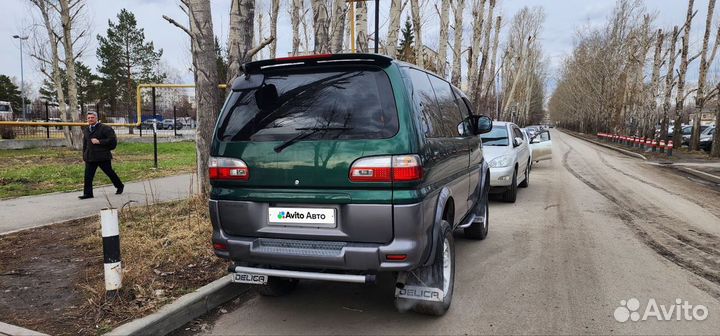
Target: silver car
column 507, row 152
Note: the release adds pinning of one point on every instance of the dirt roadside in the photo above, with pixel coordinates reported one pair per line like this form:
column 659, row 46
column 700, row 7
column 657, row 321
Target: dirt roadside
column 51, row 278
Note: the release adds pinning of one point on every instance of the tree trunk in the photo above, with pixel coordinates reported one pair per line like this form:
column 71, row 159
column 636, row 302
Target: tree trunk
column 74, row 140
column 493, row 61
column 680, row 98
column 275, row 11
column 669, row 82
column 457, row 43
column 295, row 23
column 361, row 17
column 479, row 15
column 655, row 82
column 485, row 55
column 395, row 14
column 320, row 27
column 57, row 79
column 206, row 92
column 417, row 28
column 702, row 78
column 715, row 150
column 338, row 26
column 516, row 78
column 442, row 48
column 240, row 38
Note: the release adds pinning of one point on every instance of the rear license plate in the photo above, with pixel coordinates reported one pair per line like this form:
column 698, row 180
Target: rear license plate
column 314, row 217
column 249, row 278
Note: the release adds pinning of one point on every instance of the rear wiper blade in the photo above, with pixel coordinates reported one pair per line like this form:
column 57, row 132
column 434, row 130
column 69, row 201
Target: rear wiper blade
column 308, row 132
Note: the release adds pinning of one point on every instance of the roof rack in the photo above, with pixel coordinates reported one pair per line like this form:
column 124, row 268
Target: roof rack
column 315, row 59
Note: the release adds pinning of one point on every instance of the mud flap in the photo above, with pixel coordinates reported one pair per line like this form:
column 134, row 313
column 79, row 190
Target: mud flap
column 417, row 292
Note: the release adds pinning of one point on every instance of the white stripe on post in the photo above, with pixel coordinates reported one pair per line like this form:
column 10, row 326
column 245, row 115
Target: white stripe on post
column 111, row 249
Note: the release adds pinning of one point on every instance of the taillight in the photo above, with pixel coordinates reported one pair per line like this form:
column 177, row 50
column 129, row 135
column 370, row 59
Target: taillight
column 399, row 168
column 228, row 169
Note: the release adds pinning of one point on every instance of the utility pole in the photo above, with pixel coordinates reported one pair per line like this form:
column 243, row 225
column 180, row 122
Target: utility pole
column 22, row 76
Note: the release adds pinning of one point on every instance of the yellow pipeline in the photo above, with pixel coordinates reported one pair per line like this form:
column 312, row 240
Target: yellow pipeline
column 138, row 102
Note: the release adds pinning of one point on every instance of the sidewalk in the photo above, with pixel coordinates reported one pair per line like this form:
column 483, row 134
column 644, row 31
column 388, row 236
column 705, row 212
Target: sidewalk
column 34, row 211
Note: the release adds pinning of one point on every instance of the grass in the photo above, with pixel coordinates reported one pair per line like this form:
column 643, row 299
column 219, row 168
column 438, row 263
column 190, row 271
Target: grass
column 44, row 170
column 166, row 253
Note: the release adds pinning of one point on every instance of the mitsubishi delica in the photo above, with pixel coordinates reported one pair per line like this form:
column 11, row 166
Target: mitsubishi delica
column 341, row 167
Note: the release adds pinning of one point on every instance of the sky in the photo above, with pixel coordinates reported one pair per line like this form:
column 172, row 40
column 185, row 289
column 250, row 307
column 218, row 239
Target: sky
column 563, row 19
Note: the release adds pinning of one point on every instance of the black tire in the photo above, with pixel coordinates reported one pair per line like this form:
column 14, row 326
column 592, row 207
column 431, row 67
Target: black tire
column 510, row 195
column 277, row 287
column 170, row 127
column 525, row 183
column 433, row 276
column 479, row 229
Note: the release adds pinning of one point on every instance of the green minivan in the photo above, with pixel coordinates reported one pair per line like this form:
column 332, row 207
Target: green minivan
column 340, row 167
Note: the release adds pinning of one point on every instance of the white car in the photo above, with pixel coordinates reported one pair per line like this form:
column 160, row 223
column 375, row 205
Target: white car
column 541, row 147
column 507, row 152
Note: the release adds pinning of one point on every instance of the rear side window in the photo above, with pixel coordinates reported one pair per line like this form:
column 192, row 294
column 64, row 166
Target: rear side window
column 449, row 117
column 357, row 102
column 438, row 109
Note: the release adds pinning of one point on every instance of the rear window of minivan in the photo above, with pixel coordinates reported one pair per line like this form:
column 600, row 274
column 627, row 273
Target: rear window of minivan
column 357, row 102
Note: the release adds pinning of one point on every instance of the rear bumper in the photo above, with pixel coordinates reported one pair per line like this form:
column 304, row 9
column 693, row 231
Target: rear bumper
column 411, row 228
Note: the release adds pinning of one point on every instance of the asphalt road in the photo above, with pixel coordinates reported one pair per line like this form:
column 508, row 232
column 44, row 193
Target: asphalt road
column 593, row 228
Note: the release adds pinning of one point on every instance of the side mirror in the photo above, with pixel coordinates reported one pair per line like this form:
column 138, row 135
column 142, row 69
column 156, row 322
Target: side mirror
column 517, row 141
column 479, row 124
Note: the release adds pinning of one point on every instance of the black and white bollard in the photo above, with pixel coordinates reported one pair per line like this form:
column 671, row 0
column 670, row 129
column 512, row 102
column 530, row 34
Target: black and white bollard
column 111, row 250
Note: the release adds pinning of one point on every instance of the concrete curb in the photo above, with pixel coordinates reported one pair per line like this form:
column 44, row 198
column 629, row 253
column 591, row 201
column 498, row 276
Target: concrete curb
column 11, row 330
column 702, row 175
column 183, row 310
column 623, row 151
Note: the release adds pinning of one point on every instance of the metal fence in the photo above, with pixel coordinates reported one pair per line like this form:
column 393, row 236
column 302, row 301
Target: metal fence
column 168, row 119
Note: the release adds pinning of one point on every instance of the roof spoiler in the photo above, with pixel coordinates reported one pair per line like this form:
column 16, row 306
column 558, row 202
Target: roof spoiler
column 315, row 59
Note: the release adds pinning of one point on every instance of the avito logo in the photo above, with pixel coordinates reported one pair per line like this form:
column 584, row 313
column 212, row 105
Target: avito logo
column 681, row 310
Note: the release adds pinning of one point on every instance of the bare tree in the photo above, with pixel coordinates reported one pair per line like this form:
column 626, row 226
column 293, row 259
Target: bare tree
column 202, row 39
column 59, row 20
column 443, row 43
column 479, row 17
column 458, row 12
column 651, row 118
column 320, row 27
column 338, row 25
column 295, row 23
column 417, row 28
column 485, row 55
column 274, row 12
column 493, row 61
column 396, row 8
column 361, row 23
column 241, row 34
column 682, row 72
column 705, row 61
column 669, row 83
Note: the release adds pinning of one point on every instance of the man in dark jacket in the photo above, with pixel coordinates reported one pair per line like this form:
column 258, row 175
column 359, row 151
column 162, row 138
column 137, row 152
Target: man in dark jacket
column 98, row 141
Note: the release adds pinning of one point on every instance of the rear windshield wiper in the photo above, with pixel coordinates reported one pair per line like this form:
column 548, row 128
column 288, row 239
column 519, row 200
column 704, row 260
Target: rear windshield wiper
column 308, row 131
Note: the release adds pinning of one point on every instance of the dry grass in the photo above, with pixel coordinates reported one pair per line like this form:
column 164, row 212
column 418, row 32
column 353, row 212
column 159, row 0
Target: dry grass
column 165, row 251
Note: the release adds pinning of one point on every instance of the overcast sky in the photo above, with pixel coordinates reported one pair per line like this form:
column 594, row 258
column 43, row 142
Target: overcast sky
column 563, row 19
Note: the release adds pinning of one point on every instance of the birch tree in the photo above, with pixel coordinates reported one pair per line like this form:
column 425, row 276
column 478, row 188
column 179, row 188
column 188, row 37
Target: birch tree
column 59, row 20
column 443, row 43
column 705, row 61
column 361, row 23
column 295, row 24
column 479, row 16
column 338, row 26
column 396, row 8
column 274, row 12
column 241, row 37
column 458, row 12
column 682, row 72
column 320, row 27
column 205, row 72
column 490, row 87
column 485, row 54
column 669, row 83
column 417, row 28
